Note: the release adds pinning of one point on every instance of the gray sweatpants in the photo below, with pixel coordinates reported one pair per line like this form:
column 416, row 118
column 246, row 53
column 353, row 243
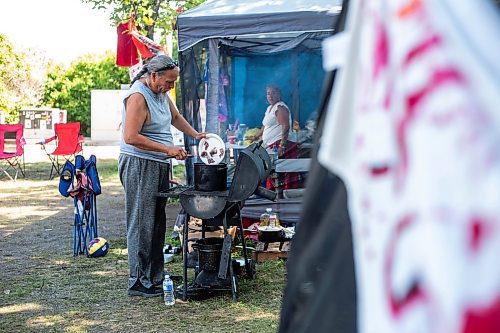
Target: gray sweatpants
column 146, row 220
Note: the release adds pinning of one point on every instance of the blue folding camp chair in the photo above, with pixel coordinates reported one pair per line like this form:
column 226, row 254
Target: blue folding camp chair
column 81, row 182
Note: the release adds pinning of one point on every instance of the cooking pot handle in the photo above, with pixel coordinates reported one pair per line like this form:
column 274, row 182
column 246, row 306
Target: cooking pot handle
column 195, row 246
column 264, row 192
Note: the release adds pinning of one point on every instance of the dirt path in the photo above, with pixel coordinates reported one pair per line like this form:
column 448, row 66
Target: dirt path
column 35, row 218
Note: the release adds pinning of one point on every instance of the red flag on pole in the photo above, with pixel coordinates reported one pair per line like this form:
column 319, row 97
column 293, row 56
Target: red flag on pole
column 146, row 47
column 126, row 51
column 132, row 44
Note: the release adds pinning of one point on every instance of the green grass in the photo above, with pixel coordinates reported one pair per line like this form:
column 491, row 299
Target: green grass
column 44, row 289
column 79, row 294
column 40, row 171
column 107, row 168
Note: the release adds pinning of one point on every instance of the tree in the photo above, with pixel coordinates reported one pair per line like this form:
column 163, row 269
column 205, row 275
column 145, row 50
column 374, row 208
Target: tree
column 19, row 83
column 151, row 15
column 70, row 89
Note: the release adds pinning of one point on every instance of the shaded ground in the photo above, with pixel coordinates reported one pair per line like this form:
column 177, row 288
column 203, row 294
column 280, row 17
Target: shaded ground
column 44, row 289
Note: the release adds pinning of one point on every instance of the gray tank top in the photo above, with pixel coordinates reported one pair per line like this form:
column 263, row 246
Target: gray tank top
column 157, row 128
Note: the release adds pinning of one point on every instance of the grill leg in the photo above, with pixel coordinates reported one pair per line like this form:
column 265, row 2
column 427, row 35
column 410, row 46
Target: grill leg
column 226, row 259
column 248, row 269
column 184, row 256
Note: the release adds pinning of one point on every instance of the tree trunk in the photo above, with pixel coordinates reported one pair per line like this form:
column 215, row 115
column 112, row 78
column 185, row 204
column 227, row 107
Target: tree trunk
column 156, row 7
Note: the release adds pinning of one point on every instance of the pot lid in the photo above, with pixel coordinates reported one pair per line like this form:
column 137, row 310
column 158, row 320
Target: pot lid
column 211, row 149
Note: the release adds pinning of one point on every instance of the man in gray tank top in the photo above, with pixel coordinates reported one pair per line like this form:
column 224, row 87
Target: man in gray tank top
column 145, row 150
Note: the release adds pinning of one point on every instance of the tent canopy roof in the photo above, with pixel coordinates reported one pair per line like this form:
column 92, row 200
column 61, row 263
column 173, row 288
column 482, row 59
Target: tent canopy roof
column 272, row 18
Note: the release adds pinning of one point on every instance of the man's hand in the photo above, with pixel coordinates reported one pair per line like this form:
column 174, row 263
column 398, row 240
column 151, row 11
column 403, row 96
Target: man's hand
column 200, row 136
column 177, row 152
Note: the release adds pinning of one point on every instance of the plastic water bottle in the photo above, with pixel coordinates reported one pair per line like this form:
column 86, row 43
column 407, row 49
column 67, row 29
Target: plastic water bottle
column 275, row 153
column 168, row 291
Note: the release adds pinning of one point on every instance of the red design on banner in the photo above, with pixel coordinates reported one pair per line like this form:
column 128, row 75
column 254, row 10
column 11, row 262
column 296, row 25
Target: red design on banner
column 485, row 320
column 415, row 293
column 409, row 9
column 422, row 48
column 381, row 56
column 478, row 228
column 438, row 79
column 379, row 170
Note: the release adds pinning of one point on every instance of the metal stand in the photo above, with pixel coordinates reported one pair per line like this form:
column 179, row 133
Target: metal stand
column 226, row 259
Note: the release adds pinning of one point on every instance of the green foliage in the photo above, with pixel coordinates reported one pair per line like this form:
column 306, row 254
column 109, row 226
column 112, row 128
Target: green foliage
column 18, row 88
column 70, row 89
column 152, row 15
column 179, row 173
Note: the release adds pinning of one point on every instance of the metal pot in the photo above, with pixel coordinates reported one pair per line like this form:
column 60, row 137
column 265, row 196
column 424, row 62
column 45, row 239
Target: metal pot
column 209, row 253
column 210, row 177
column 270, row 236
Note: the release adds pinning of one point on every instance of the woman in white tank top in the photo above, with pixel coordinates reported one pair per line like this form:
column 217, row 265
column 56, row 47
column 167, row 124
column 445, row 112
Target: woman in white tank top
column 276, row 122
column 274, row 133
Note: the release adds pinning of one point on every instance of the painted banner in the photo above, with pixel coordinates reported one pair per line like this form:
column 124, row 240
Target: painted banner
column 413, row 128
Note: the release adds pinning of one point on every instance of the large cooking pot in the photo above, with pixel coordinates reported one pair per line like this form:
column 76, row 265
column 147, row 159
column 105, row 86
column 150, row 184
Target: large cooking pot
column 210, row 177
column 209, row 253
column 270, row 234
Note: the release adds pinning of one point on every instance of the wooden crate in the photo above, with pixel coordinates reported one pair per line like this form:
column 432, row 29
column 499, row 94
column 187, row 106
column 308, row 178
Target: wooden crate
column 270, row 251
column 265, row 256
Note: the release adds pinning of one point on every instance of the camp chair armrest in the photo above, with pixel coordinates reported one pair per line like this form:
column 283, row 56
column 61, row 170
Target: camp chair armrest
column 44, row 141
column 81, row 138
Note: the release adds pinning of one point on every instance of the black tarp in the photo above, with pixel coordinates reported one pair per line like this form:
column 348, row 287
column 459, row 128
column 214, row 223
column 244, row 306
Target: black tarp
column 320, row 295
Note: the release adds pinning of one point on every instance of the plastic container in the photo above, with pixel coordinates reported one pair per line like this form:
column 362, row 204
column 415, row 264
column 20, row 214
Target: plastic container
column 274, row 220
column 264, row 217
column 240, row 133
column 168, row 291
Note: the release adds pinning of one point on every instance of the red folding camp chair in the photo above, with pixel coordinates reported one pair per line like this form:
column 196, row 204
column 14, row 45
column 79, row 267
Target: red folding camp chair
column 12, row 157
column 69, row 143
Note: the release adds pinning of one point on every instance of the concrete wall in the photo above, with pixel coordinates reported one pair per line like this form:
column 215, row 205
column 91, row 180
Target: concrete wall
column 106, row 108
column 105, row 115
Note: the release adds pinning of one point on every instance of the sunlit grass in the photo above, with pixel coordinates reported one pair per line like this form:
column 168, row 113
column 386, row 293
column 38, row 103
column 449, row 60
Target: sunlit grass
column 24, row 307
column 107, row 169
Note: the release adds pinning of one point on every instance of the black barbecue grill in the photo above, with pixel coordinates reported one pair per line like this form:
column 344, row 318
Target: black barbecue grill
column 222, row 208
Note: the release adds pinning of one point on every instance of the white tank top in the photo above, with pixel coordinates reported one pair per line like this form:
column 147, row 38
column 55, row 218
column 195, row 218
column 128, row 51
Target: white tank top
column 272, row 128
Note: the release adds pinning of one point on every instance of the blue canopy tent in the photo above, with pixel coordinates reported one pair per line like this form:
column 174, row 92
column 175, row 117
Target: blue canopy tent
column 243, row 45
column 230, row 50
